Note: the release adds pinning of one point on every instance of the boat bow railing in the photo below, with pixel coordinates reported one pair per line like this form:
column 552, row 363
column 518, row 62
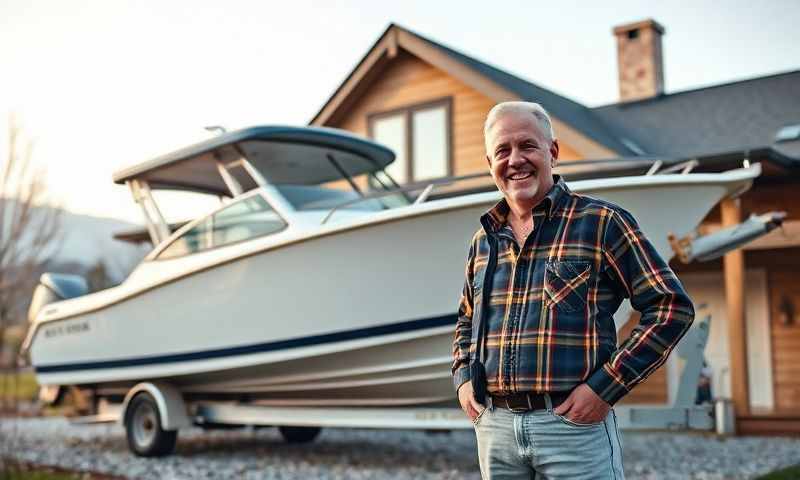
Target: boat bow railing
column 683, row 167
column 427, row 188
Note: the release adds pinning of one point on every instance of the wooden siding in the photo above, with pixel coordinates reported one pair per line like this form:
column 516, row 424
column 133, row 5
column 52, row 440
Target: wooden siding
column 654, row 389
column 769, row 196
column 785, row 340
column 768, row 424
column 407, row 81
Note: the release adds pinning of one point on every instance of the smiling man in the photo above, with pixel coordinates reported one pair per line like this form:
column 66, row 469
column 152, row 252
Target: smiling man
column 536, row 362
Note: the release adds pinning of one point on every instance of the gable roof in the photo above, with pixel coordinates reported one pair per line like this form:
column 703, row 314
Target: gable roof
column 559, row 106
column 737, row 116
column 712, row 123
column 494, row 82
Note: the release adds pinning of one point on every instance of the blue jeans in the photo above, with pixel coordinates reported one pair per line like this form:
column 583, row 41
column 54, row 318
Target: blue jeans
column 542, row 445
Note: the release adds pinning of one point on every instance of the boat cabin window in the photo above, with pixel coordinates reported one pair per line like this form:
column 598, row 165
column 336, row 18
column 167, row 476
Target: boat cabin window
column 245, row 219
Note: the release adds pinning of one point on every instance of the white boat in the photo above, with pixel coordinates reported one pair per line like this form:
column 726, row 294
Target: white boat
column 316, row 283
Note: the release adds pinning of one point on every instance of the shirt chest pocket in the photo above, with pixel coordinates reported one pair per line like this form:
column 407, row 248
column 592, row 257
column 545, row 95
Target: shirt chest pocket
column 566, row 284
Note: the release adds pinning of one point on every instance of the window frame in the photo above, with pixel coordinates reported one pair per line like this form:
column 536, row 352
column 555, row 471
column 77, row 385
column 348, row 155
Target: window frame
column 156, row 254
column 408, row 122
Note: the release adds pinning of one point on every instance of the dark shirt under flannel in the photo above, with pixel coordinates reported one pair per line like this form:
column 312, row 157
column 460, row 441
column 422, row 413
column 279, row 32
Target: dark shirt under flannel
column 552, row 300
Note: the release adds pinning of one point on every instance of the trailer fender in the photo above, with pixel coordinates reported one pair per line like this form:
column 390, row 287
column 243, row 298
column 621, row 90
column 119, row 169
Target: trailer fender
column 171, row 407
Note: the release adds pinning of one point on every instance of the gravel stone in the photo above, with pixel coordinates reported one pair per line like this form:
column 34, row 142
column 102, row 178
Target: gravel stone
column 256, row 454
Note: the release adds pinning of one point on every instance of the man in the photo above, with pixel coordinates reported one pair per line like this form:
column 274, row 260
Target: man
column 545, row 274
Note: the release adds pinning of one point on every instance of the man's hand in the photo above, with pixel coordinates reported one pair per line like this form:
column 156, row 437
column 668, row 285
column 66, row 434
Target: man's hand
column 582, row 406
column 466, row 397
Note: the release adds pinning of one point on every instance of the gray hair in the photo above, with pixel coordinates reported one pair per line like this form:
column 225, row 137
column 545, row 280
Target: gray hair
column 524, row 108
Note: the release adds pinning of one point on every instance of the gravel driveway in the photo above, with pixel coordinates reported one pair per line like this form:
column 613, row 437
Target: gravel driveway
column 367, row 454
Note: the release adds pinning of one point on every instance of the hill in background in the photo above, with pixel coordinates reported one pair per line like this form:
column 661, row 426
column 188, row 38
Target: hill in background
column 84, row 245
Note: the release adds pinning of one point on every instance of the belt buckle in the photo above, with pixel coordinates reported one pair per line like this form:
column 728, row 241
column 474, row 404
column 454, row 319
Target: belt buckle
column 522, row 409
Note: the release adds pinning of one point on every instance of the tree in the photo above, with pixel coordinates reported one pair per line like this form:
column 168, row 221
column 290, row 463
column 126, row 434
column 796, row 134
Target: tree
column 28, row 228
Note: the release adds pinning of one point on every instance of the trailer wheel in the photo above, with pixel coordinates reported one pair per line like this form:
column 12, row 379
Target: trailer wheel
column 146, row 438
column 299, row 434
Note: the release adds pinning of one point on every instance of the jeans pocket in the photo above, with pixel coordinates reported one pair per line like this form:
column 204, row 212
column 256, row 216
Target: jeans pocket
column 477, row 419
column 569, row 422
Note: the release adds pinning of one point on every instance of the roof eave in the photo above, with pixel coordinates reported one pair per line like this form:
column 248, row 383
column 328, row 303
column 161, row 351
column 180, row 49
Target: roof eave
column 396, row 37
column 387, row 47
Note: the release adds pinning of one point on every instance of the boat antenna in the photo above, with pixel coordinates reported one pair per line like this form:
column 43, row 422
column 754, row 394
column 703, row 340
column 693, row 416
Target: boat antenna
column 216, row 128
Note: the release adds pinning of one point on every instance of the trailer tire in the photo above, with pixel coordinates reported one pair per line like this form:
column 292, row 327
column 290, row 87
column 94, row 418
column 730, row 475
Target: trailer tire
column 143, row 429
column 299, row 434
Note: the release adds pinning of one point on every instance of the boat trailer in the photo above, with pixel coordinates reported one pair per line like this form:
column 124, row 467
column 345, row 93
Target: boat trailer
column 152, row 413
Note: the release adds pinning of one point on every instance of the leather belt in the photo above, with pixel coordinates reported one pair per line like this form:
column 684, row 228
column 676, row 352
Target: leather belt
column 525, row 402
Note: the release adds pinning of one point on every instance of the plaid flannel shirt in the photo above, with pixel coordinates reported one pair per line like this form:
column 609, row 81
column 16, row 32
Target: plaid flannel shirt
column 551, row 302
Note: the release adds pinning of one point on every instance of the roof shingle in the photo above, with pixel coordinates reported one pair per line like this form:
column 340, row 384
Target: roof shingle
column 741, row 115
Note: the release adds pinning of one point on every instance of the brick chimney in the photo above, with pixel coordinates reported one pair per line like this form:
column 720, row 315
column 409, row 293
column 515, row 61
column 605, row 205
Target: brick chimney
column 639, row 59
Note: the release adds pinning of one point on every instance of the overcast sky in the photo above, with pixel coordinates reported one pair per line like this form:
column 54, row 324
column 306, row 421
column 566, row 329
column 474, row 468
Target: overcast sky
column 104, row 84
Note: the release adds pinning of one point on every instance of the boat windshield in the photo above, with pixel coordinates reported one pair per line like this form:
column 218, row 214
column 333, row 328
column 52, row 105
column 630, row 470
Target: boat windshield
column 313, row 177
column 346, row 193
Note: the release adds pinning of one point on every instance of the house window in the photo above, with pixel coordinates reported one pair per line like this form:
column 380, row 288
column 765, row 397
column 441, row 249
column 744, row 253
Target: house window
column 420, row 137
column 391, row 131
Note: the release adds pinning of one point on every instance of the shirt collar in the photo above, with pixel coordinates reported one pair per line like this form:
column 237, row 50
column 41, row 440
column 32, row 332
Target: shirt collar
column 494, row 219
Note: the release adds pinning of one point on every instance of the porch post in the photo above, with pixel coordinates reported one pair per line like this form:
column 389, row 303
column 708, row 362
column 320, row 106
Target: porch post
column 734, row 297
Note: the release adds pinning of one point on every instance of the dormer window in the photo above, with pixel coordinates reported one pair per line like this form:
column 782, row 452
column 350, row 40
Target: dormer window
column 420, row 136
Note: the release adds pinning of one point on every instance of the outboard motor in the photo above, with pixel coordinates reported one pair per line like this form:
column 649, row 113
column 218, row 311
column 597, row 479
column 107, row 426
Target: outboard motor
column 54, row 287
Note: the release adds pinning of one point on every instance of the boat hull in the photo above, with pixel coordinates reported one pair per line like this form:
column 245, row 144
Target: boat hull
column 363, row 315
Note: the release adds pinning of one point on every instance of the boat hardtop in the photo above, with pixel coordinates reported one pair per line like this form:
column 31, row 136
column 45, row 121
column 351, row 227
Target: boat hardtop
column 281, row 154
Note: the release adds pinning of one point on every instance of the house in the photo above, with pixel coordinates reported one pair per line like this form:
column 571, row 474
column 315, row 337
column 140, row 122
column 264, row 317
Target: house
column 428, row 102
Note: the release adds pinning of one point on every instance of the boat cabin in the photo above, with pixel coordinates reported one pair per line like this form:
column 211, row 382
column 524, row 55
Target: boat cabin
column 267, row 178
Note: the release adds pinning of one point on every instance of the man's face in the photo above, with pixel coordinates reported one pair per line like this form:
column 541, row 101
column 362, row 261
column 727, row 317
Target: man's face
column 521, row 159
